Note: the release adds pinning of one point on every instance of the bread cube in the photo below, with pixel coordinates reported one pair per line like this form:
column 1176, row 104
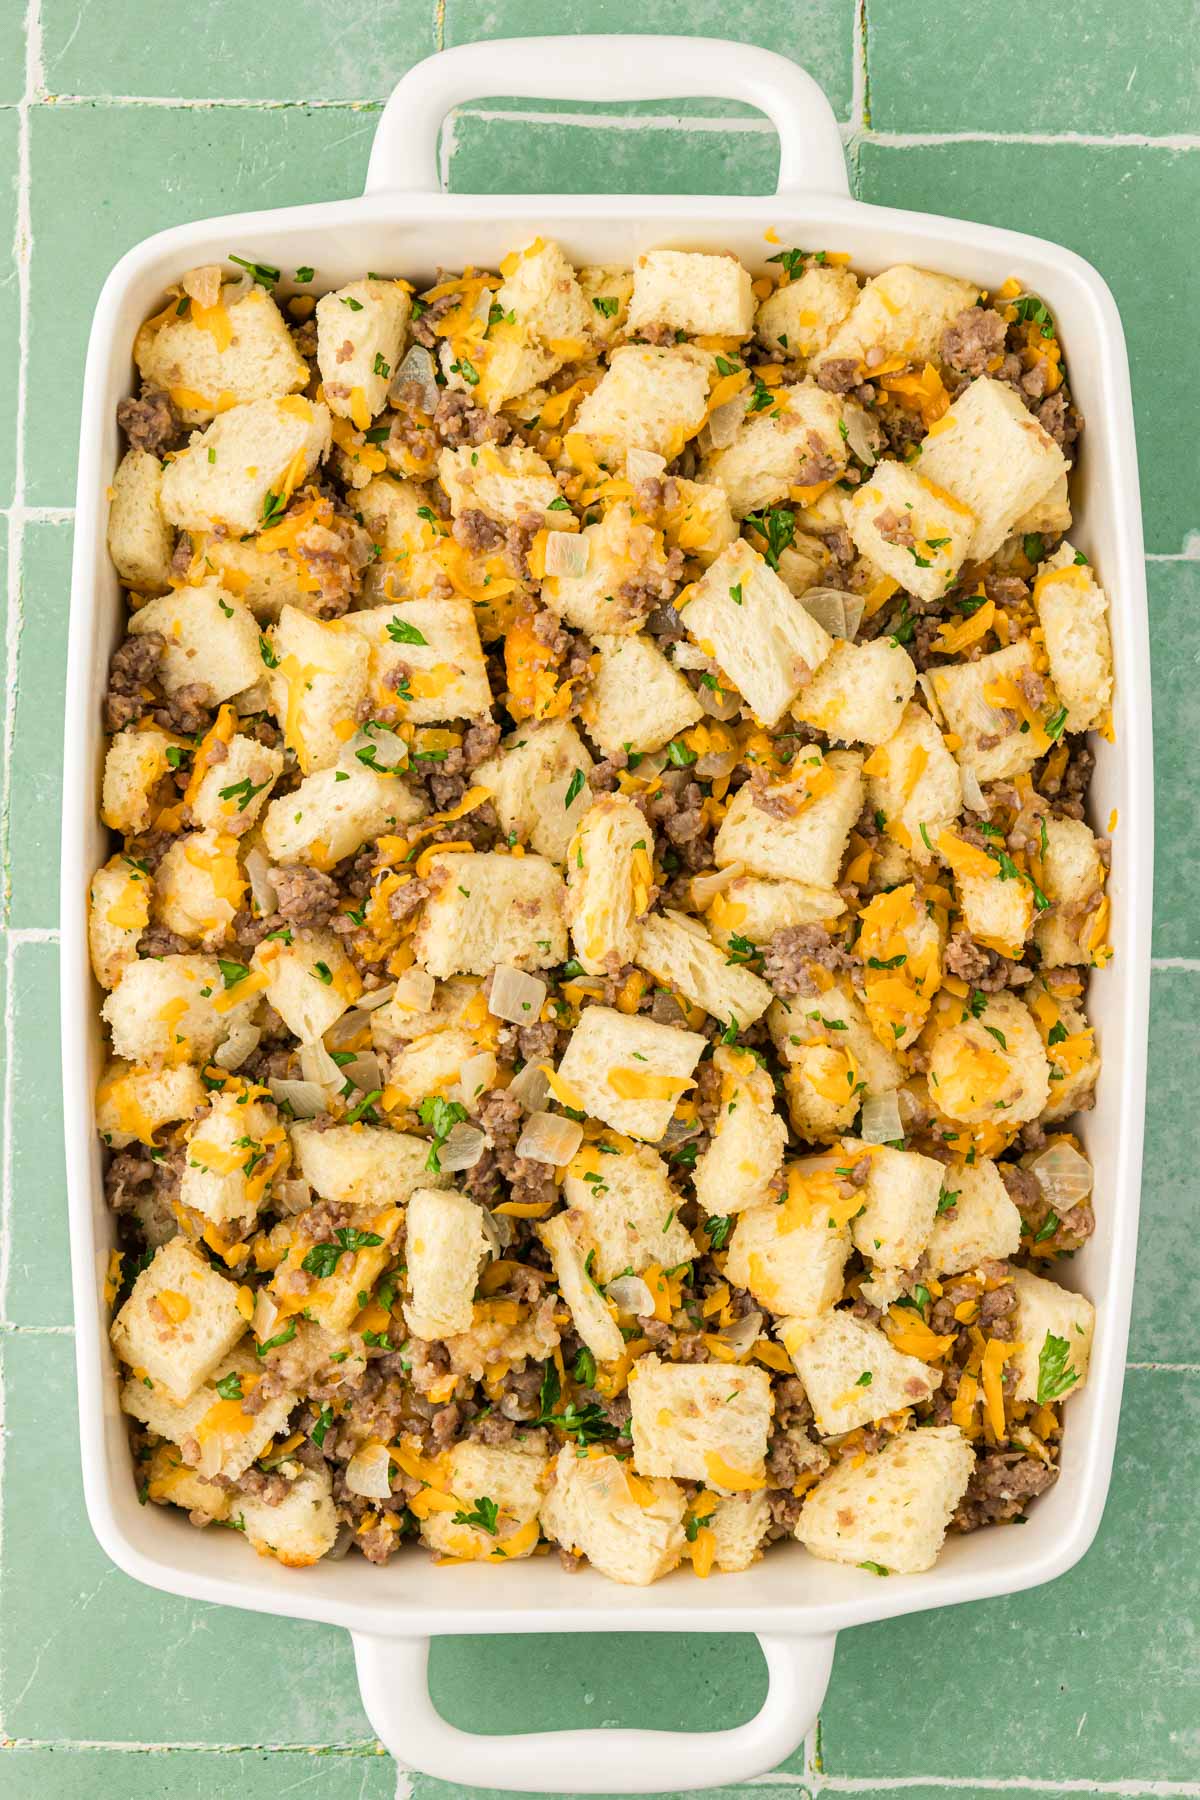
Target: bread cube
column 891, row 1511
column 626, row 564
column 231, row 793
column 704, row 1422
column 911, row 529
column 989, row 1068
column 648, row 399
column 297, row 1530
column 901, row 312
column 1074, row 1060
column 991, row 453
column 507, row 482
column 173, row 1007
column 775, row 449
column 637, row 701
column 594, row 1511
column 754, row 910
column 140, row 541
column 791, row 1256
column 1049, row 514
column 541, row 288
column 404, row 1018
column 624, row 1196
column 234, row 474
column 697, row 519
column 445, row 1245
column 996, row 912
column 796, row 829
column 913, row 780
column 199, row 886
column 209, row 358
column 739, row 1167
column 739, row 1523
column 233, row 1154
column 310, row 981
column 361, row 331
column 860, row 691
column 900, row 1199
column 179, row 1322
column 704, row 296
column 1049, row 1317
column 610, row 882
column 680, row 955
column 132, row 1103
column 981, row 1223
column 607, row 288
column 994, row 742
column 333, row 1297
column 134, row 764
column 629, row 1071
column 853, row 1376
column 489, row 909
column 1073, row 611
column 745, row 619
column 317, row 682
column 228, row 1439
column 333, row 812
column 362, row 1165
column 804, row 564
column 514, row 1478
column 211, row 640
column 118, row 913
column 531, row 775
column 172, row 1482
column 437, row 641
column 430, row 1064
column 569, row 1239
column 832, row 1058
column 401, row 522
column 798, row 319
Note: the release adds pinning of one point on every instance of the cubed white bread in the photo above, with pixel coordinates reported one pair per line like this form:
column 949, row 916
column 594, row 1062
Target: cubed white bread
column 752, row 908
column 132, row 1103
column 361, row 329
column 1049, row 514
column 607, row 288
column 832, row 1057
column 430, row 1065
column 1074, row 1061
column 172, row 1482
column 183, row 353
column 232, row 1154
column 997, row 913
column 805, row 844
column 317, row 683
column 860, row 691
column 630, row 1071
column 404, row 1017
column 701, row 295
column 231, row 793
column 134, row 764
column 991, row 453
column 395, row 514
column 704, row 1422
column 362, row 1165
column 266, row 580
column 333, row 1300
column 491, row 1340
column 738, row 1169
column 333, row 812
column 747, row 621
column 530, row 776
column 199, row 886
column 505, row 481
column 913, row 780
column 610, row 879
column 445, row 1245
column 230, row 472
column 623, row 1193
column 297, row 1530
column 901, row 312
column 624, row 556
column 593, row 1511
column 913, row 530
column 900, row 1199
column 637, row 702
column 489, row 909
column 140, row 541
column 211, row 640
column 438, row 641
column 1044, row 1311
column 680, row 955
column 790, row 1257
column 974, row 1077
column 176, row 1008
column 739, row 1523
column 764, row 461
column 228, row 1438
column 982, row 1225
column 892, row 1510
column 804, row 563
column 648, row 399
column 514, row 1477
column 853, row 1375
column 541, row 288
column 568, row 1238
column 310, row 981
column 1073, row 611
column 118, row 913
column 961, row 687
column 798, row 319
column 179, row 1322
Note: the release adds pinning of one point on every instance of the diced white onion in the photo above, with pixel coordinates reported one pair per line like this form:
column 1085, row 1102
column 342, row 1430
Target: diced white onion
column 713, row 881
column 386, row 750
column 723, row 424
column 416, row 367
column 530, row 1087
column 863, row 432
column 262, row 1324
column 567, row 553
column 317, row 1065
column 1064, row 1176
column 715, row 764
column 364, row 1072
column 718, row 703
column 307, row 1099
column 254, row 699
column 342, row 1545
column 686, row 922
column 499, row 1228
column 881, row 1119
column 343, row 1031
column 477, row 1074
column 203, row 285
column 237, row 289
column 972, row 792
column 243, row 1038
column 290, row 1196
column 462, row 1148
column 515, row 995
column 926, row 684
column 743, row 1334
column 828, row 607
column 687, row 656
column 910, row 1106
column 631, row 1295
column 856, row 606
column 549, row 1138
column 414, row 991
column 482, row 309
column 644, row 465
column 369, row 1472
column 380, row 996
column 262, row 888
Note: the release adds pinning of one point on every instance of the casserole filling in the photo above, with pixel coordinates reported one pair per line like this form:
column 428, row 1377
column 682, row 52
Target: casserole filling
column 600, row 907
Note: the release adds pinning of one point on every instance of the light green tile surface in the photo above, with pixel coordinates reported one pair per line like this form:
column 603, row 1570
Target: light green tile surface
column 1094, row 1680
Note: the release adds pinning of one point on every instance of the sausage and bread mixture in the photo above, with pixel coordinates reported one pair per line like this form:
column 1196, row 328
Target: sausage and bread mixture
column 596, row 938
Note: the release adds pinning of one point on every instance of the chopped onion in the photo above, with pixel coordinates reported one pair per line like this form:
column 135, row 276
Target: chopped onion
column 307, row 1099
column 364, row 1072
column 342, row 1545
column 262, row 1324
column 687, row 656
column 567, row 553
column 549, row 1138
column 482, row 309
column 291, row 1196
column 462, row 1148
column 262, row 888
column 386, row 750
column 417, row 367
column 242, row 1039
column 715, row 764
column 317, row 1065
column 1064, row 1176
column 515, row 995
column 254, row 699
column 856, row 606
column 972, row 792
column 828, row 607
column 881, row 1119
column 644, row 465
column 477, row 1074
column 414, row 991
column 724, row 423
column 530, row 1087
column 631, row 1295
column 679, row 1130
column 910, row 1106
column 343, row 1031
column 686, row 922
column 743, row 1334
column 378, row 996
column 203, row 285
column 713, row 881
column 718, row 703
column 926, row 684
column 499, row 1228
column 369, row 1472
column 863, row 433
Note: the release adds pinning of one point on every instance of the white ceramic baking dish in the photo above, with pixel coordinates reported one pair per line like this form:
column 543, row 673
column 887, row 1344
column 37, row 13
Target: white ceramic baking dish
column 796, row 1604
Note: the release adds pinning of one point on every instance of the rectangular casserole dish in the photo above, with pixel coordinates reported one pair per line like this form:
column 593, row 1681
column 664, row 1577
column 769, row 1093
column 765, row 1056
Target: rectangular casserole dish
column 795, row 1603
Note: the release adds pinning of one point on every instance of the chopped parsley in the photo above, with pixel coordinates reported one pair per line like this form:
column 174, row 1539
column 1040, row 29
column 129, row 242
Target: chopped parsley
column 1055, row 1374
column 401, row 632
column 439, row 1116
column 483, row 1516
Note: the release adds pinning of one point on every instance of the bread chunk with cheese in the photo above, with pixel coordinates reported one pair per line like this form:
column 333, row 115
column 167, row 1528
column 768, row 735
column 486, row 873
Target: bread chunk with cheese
column 859, row 693
column 232, row 792
column 992, row 454
column 317, row 681
column 179, row 1322
column 297, row 1530
column 628, row 1528
column 796, row 828
column 791, row 1257
column 738, row 1169
column 625, row 572
column 997, row 908
column 487, row 909
column 1052, row 513
column 610, row 882
column 199, row 886
column 630, row 1071
column 140, row 541
column 118, row 913
column 571, row 1242
column 637, row 702
column 430, row 1065
column 134, row 765
column 507, row 482
column 211, row 641
column 694, row 517
column 622, row 1191
column 334, row 811
column 347, row 1263
column 309, row 980
column 681, row 956
column 361, row 332
column 743, row 617
column 552, row 316
column 445, row 1245
column 176, row 1008
column 753, row 910
column 1073, row 1057
column 228, row 1437
column 853, row 1375
column 987, row 707
column 1073, row 611
column 990, row 1068
column 704, row 1422
column 426, row 659
column 891, row 1511
column 209, row 358
column 798, row 320
column 132, row 1104
column 539, row 786
column 513, row 1478
column 832, row 1057
column 977, row 1221
column 739, row 1524
column 914, row 781
column 702, row 296
column 913, row 530
column 236, row 474
column 172, row 1482
column 794, row 442
column 1054, row 1329
column 647, row 399
column 362, row 1165
column 607, row 288
column 900, row 1197
column 233, row 1154
column 403, row 525
column 900, row 313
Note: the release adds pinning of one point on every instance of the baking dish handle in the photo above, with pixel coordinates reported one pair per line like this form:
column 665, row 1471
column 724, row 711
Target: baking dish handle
column 404, row 155
column 393, row 1676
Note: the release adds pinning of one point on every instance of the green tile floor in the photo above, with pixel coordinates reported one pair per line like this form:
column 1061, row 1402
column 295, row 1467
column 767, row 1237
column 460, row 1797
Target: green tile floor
column 1078, row 121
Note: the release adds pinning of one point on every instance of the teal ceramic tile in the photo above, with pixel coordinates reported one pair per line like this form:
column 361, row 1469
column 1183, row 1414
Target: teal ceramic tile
column 86, row 1653
column 1119, row 208
column 497, row 156
column 38, row 1289
column 227, row 51
column 58, row 1773
column 1163, row 1328
column 9, row 291
column 176, row 165
column 1092, row 1678
column 12, row 51
column 1175, row 658
column 424, row 1787
column 1095, row 68
column 36, row 785
column 820, row 35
